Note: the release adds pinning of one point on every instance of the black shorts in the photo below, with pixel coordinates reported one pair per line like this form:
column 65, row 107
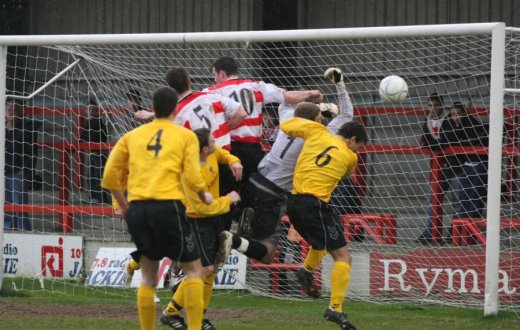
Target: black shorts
column 267, row 199
column 227, row 182
column 250, row 155
column 160, row 229
column 207, row 231
column 316, row 222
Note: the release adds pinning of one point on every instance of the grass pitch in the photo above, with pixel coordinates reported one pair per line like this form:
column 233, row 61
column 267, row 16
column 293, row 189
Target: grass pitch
column 67, row 306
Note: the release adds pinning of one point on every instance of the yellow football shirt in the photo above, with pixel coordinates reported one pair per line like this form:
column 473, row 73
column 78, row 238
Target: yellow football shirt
column 123, row 183
column 156, row 155
column 195, row 208
column 324, row 160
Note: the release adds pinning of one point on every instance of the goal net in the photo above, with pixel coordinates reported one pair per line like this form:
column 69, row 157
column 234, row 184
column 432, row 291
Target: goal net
column 73, row 101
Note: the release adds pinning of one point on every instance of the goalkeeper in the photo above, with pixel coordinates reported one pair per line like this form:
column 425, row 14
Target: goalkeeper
column 268, row 189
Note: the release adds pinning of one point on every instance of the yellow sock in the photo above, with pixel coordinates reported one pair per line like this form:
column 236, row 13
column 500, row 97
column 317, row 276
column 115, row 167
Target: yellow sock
column 208, row 288
column 175, row 305
column 146, row 307
column 313, row 259
column 194, row 302
column 132, row 266
column 339, row 280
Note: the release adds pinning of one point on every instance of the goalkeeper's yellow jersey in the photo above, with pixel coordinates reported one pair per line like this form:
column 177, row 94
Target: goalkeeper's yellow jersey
column 324, row 160
column 156, row 155
column 195, row 208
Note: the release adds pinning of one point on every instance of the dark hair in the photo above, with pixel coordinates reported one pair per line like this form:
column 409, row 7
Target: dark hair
column 164, row 101
column 435, row 97
column 203, row 136
column 178, row 79
column 459, row 106
column 354, row 129
column 227, row 64
column 306, row 110
column 92, row 102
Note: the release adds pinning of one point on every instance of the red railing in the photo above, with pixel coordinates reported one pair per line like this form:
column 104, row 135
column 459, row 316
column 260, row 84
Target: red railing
column 69, row 149
column 468, row 231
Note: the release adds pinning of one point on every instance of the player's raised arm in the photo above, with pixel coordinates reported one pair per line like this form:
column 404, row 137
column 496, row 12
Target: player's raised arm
column 293, row 97
column 346, row 108
column 285, row 111
column 144, row 115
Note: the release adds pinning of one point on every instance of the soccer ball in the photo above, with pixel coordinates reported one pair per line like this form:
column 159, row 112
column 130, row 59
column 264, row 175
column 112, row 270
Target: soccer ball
column 393, row 89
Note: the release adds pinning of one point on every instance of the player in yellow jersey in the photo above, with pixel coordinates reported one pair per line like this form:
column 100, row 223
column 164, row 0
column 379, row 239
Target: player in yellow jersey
column 325, row 159
column 155, row 156
column 209, row 223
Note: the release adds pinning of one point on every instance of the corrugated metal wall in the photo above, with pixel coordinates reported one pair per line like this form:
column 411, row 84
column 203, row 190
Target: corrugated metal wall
column 360, row 13
column 139, row 16
column 146, row 16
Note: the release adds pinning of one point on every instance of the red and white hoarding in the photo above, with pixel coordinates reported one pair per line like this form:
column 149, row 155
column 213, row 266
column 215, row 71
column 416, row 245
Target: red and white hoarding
column 51, row 256
column 447, row 273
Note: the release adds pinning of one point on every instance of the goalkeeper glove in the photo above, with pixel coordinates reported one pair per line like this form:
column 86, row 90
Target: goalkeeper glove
column 328, row 110
column 335, row 75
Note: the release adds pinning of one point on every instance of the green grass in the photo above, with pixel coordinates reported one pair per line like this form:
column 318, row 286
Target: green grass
column 115, row 309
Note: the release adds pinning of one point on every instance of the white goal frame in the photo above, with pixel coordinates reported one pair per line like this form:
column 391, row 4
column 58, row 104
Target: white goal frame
column 495, row 30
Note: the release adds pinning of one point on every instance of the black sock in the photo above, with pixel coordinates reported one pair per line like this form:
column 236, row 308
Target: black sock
column 256, row 250
column 236, row 242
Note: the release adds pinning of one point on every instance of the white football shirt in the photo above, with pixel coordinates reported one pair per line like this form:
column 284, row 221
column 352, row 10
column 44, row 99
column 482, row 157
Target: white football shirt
column 200, row 109
column 253, row 95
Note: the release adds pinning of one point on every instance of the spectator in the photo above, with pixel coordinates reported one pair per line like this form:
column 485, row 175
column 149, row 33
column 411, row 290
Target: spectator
column 270, row 127
column 430, row 139
column 466, row 174
column 95, row 130
column 20, row 150
column 434, row 119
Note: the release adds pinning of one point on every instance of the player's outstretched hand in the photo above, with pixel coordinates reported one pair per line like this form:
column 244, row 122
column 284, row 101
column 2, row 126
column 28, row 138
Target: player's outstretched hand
column 328, row 110
column 234, row 196
column 335, row 75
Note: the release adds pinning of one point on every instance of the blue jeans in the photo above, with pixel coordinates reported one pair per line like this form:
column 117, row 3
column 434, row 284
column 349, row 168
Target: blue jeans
column 469, row 189
column 471, row 200
column 15, row 193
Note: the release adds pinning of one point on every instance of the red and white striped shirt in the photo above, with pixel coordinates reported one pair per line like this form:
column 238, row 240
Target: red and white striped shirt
column 253, row 95
column 200, row 109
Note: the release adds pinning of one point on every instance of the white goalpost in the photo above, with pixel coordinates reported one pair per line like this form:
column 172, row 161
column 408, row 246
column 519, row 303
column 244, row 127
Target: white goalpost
column 398, row 187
